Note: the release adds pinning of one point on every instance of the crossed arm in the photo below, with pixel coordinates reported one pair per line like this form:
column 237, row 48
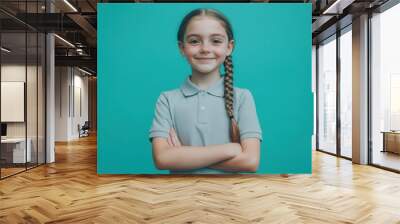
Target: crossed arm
column 172, row 155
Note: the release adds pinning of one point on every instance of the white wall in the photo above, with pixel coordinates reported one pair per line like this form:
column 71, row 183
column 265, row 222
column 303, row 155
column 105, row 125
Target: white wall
column 79, row 112
column 33, row 127
column 62, row 81
column 17, row 73
column 71, row 94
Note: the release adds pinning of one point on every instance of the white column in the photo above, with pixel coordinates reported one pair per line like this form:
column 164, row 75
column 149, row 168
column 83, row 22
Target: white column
column 360, row 90
column 50, row 92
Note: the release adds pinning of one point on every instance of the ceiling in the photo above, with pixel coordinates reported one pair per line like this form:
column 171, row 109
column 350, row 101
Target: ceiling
column 72, row 20
column 76, row 22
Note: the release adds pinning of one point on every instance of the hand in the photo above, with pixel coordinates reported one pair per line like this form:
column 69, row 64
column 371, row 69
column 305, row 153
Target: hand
column 235, row 149
column 173, row 139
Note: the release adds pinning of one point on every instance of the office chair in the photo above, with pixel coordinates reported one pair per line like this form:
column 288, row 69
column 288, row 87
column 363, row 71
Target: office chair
column 84, row 130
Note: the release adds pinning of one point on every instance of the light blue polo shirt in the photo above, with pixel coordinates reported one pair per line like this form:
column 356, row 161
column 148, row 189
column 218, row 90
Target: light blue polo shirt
column 200, row 119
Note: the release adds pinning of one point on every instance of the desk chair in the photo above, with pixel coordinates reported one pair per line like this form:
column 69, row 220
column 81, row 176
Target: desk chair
column 84, row 130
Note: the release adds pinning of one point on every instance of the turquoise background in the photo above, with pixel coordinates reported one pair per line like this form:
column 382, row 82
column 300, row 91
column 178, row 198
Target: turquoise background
column 138, row 58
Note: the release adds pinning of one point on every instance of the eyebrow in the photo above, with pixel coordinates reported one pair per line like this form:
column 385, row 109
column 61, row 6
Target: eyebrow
column 197, row 35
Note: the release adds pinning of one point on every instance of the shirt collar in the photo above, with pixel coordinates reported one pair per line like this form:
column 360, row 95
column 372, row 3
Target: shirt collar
column 188, row 88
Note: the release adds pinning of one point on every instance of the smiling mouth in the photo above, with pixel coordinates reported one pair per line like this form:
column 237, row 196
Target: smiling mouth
column 205, row 58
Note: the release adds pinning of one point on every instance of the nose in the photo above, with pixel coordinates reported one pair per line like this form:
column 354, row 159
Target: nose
column 205, row 48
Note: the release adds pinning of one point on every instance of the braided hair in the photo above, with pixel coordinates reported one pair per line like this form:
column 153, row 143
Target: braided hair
column 228, row 95
column 228, row 66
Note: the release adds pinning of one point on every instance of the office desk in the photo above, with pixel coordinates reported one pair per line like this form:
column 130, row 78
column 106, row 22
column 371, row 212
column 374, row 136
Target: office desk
column 391, row 141
column 13, row 150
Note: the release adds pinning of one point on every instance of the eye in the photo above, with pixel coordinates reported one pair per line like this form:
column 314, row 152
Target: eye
column 193, row 41
column 217, row 41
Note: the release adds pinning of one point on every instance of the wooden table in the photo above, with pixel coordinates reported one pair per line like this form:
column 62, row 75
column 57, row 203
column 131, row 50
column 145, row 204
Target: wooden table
column 391, row 141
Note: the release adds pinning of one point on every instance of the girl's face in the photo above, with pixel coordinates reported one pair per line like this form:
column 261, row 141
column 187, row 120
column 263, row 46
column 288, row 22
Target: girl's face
column 205, row 44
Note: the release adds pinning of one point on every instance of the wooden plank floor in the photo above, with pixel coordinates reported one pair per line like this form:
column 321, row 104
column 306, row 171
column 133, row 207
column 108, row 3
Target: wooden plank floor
column 70, row 191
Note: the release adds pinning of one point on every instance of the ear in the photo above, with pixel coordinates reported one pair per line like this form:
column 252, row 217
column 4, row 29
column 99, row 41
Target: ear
column 231, row 45
column 180, row 45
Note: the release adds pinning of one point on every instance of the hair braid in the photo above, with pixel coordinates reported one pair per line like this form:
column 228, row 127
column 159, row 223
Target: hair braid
column 228, row 95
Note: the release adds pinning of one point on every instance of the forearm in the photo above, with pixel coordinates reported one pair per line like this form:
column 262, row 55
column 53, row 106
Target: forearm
column 243, row 162
column 195, row 157
column 236, row 164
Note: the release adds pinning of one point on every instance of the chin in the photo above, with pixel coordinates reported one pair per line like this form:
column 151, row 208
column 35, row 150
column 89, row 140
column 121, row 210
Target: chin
column 205, row 70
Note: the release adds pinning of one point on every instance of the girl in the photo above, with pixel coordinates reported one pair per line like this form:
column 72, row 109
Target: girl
column 206, row 126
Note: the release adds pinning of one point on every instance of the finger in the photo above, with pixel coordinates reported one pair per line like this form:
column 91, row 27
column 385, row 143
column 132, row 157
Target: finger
column 169, row 141
column 178, row 143
column 171, row 135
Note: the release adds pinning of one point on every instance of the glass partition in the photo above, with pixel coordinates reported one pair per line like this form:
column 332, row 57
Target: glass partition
column 14, row 153
column 22, row 88
column 327, row 95
column 41, row 91
column 32, row 95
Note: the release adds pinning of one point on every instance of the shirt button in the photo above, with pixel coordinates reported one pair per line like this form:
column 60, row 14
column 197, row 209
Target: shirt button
column 202, row 108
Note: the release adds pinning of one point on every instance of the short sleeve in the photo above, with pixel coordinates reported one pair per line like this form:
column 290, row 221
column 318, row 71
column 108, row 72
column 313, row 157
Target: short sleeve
column 248, row 123
column 162, row 121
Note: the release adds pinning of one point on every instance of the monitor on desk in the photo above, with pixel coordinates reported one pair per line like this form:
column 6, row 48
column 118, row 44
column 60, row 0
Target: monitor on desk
column 3, row 130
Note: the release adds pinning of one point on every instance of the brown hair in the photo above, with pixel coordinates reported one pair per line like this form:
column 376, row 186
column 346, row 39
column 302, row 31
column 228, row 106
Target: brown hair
column 228, row 65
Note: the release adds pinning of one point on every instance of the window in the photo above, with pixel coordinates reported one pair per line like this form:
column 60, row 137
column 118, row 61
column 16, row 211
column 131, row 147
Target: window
column 385, row 88
column 327, row 95
column 346, row 92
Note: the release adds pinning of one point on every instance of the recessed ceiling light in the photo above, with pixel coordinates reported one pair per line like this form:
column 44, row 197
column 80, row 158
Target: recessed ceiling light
column 5, row 50
column 70, row 5
column 337, row 7
column 84, row 71
column 64, row 40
